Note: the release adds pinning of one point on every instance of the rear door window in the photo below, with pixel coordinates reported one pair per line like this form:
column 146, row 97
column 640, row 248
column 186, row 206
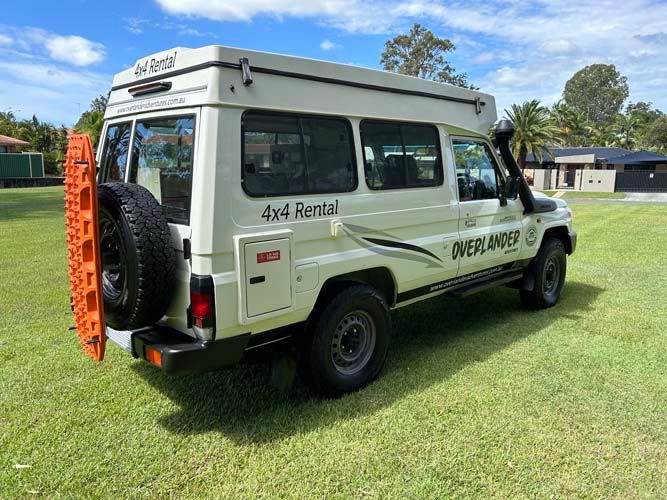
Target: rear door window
column 162, row 162
column 401, row 155
column 114, row 154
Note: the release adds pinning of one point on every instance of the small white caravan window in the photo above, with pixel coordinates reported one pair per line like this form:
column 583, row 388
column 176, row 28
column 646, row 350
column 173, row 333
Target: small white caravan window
column 477, row 175
column 399, row 155
column 286, row 154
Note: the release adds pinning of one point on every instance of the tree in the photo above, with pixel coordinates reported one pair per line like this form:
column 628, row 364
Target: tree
column 420, row 53
column 643, row 112
column 598, row 91
column 573, row 129
column 655, row 135
column 91, row 122
column 99, row 103
column 534, row 130
column 625, row 131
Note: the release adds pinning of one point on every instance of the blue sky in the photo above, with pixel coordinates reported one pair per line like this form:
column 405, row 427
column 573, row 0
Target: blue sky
column 56, row 56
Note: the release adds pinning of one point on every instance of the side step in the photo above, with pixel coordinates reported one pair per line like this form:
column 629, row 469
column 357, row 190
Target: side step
column 466, row 290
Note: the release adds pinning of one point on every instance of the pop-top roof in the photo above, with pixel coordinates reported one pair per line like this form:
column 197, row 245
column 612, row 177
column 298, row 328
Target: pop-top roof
column 171, row 63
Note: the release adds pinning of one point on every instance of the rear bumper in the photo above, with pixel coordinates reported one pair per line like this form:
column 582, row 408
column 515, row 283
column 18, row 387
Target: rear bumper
column 573, row 241
column 177, row 354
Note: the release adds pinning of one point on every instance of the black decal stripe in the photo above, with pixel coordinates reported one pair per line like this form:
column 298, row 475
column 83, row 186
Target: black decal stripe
column 302, row 76
column 458, row 282
column 402, row 246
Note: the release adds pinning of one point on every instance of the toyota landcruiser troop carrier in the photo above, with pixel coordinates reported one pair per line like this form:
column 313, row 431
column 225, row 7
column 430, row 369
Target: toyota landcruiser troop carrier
column 251, row 200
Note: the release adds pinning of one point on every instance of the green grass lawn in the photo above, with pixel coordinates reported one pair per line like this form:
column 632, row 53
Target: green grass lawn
column 479, row 397
column 587, row 194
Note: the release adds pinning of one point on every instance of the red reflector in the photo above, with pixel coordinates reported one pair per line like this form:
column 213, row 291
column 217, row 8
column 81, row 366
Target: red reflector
column 201, row 305
column 154, row 356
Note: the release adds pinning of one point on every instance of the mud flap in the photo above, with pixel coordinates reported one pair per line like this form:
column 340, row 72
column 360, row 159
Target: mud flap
column 83, row 245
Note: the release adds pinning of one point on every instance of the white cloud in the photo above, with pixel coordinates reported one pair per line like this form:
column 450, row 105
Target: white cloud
column 557, row 46
column 74, row 50
column 483, row 58
column 5, row 40
column 233, row 10
column 136, row 26
column 52, row 93
column 33, row 81
column 328, row 45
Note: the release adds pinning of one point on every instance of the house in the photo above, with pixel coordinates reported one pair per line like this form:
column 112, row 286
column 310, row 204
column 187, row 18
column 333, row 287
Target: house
column 569, row 160
column 11, row 145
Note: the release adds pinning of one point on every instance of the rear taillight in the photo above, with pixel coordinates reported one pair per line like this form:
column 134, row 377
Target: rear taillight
column 202, row 306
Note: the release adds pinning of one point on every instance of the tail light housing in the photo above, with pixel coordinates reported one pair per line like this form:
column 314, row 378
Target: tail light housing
column 201, row 312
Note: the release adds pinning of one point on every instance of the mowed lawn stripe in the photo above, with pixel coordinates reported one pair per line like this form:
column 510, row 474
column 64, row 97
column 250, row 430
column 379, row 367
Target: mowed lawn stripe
column 479, row 396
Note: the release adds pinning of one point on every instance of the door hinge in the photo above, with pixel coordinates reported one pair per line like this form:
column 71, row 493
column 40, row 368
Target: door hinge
column 187, row 252
column 245, row 70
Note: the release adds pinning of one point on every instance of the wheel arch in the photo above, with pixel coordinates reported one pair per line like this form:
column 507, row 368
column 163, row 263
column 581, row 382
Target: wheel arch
column 561, row 233
column 380, row 278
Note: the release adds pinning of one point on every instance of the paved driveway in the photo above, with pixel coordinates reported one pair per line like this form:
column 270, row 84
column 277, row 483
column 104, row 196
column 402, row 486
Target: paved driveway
column 634, row 198
column 647, row 197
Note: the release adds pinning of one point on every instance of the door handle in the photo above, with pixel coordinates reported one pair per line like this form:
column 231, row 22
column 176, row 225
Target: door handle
column 257, row 279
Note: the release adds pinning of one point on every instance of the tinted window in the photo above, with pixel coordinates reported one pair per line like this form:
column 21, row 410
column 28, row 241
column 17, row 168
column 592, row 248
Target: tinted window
column 287, row 154
column 114, row 154
column 162, row 163
column 401, row 155
column 476, row 172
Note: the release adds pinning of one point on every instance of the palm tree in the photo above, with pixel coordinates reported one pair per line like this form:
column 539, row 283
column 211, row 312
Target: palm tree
column 625, row 131
column 91, row 123
column 573, row 130
column 534, row 130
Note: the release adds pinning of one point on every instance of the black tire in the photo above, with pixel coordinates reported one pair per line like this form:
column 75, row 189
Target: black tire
column 548, row 273
column 138, row 257
column 338, row 359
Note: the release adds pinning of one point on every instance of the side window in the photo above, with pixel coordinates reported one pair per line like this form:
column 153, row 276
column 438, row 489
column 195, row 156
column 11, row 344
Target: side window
column 114, row 154
column 290, row 154
column 477, row 175
column 162, row 163
column 400, row 155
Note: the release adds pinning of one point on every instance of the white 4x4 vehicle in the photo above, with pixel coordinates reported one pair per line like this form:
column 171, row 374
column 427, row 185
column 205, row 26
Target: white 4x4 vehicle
column 250, row 200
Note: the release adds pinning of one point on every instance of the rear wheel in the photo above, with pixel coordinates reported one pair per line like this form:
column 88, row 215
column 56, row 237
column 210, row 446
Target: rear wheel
column 349, row 341
column 548, row 273
column 138, row 258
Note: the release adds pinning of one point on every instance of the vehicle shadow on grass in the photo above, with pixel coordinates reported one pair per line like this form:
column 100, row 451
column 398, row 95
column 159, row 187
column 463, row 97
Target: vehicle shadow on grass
column 432, row 341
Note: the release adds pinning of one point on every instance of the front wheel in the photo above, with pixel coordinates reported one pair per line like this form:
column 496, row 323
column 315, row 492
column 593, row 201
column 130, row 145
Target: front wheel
column 349, row 341
column 548, row 270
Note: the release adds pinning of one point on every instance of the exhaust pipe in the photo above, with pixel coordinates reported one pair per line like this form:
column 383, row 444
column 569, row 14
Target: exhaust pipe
column 504, row 134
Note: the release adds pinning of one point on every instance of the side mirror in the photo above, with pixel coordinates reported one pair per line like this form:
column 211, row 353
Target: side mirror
column 512, row 187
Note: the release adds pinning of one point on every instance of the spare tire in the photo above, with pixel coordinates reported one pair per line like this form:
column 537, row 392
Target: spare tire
column 138, row 257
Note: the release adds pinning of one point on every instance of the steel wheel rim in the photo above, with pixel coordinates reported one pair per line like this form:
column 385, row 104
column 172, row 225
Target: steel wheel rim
column 353, row 342
column 551, row 275
column 113, row 260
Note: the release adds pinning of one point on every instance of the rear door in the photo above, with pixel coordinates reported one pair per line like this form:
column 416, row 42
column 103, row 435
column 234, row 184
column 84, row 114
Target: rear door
column 490, row 234
column 158, row 151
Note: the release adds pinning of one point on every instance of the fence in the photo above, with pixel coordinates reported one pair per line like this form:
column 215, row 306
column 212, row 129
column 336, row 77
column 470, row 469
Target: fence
column 21, row 165
column 641, row 182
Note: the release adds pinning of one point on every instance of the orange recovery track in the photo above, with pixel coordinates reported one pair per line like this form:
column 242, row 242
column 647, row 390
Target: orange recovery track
column 83, row 245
